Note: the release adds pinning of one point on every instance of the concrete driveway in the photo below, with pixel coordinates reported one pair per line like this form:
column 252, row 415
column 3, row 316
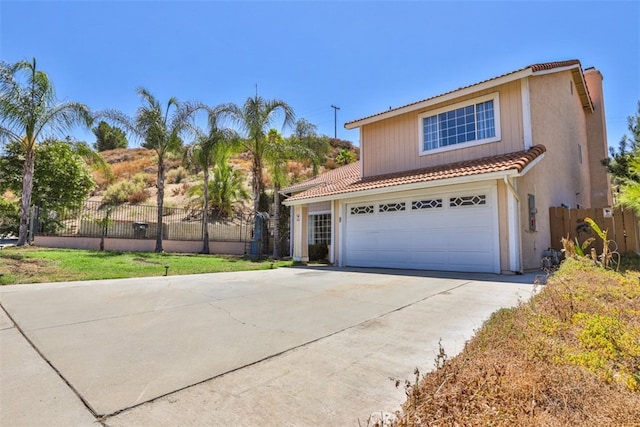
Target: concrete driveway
column 292, row 346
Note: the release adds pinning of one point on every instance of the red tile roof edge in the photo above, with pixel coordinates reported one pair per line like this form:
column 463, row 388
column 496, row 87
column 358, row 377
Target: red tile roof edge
column 351, row 183
column 350, row 170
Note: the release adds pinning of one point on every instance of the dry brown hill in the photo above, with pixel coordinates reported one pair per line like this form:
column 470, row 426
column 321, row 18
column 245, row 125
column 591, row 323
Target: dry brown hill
column 140, row 164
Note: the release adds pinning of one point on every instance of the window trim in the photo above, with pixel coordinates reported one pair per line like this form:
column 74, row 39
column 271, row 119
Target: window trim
column 495, row 97
column 309, row 230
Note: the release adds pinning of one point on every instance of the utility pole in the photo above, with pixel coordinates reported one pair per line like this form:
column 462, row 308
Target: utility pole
column 335, row 121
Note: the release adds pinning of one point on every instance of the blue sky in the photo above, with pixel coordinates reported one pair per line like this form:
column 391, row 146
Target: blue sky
column 362, row 56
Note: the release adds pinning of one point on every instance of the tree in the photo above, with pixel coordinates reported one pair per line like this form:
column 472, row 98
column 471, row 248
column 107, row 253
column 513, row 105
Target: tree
column 624, row 165
column 277, row 153
column 254, row 119
column 225, row 189
column 212, row 149
column 619, row 162
column 109, row 137
column 61, row 179
column 9, row 217
column 305, row 134
column 28, row 110
column 160, row 129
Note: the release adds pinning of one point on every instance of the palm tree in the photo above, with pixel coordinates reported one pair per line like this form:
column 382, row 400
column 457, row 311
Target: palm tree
column 225, row 188
column 210, row 149
column 277, row 153
column 160, row 129
column 29, row 111
column 254, row 119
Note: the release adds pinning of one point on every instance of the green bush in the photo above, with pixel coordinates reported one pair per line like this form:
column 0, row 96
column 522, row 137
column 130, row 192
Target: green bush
column 9, row 217
column 133, row 191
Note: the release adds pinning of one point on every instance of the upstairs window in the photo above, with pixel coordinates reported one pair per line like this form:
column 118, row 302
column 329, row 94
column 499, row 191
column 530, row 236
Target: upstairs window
column 469, row 123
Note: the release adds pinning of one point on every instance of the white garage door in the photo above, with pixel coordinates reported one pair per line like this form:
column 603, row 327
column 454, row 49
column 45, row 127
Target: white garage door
column 446, row 231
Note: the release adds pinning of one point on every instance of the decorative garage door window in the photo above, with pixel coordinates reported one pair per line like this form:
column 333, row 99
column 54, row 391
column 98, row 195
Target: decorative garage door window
column 392, row 207
column 476, row 200
column 361, row 210
column 320, row 229
column 426, row 204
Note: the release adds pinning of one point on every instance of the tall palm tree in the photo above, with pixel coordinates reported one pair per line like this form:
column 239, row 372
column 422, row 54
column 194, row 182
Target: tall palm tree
column 160, row 129
column 208, row 150
column 254, row 119
column 277, row 153
column 29, row 112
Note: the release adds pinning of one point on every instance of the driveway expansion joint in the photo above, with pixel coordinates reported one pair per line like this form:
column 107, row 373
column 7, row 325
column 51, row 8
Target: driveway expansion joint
column 275, row 355
column 42, row 356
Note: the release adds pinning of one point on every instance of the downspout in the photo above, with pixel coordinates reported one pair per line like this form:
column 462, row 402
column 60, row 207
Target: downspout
column 512, row 190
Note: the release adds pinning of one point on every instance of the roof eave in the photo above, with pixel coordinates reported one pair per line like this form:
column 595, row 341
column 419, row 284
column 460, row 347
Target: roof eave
column 531, row 164
column 510, row 173
column 578, row 76
column 300, row 189
column 441, row 98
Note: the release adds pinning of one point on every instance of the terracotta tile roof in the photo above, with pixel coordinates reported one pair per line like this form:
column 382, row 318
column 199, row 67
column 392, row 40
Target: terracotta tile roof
column 343, row 172
column 551, row 65
column 534, row 68
column 348, row 180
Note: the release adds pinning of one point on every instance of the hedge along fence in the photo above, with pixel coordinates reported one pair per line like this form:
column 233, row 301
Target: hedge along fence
column 621, row 225
column 93, row 219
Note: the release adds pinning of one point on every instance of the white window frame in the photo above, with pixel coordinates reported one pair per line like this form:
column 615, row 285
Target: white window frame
column 310, row 232
column 495, row 97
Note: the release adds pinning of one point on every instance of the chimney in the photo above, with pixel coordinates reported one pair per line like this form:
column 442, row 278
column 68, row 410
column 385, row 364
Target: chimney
column 597, row 142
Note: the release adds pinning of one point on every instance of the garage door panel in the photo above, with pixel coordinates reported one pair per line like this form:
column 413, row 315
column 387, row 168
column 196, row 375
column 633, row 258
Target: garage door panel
column 430, row 257
column 454, row 238
column 461, row 239
column 427, row 240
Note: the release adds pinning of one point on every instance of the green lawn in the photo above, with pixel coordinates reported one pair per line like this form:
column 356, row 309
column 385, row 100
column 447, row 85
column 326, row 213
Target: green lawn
column 39, row 265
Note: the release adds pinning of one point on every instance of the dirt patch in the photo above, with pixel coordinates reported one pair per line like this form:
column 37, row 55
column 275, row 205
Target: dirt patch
column 25, row 267
column 146, row 261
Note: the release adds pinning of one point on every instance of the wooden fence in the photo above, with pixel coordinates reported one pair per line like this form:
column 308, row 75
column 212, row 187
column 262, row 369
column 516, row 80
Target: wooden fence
column 622, row 227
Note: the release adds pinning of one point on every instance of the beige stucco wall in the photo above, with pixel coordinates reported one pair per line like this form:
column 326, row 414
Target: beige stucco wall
column 336, row 220
column 138, row 245
column 601, row 195
column 393, row 145
column 503, row 226
column 557, row 122
column 320, row 206
column 300, row 233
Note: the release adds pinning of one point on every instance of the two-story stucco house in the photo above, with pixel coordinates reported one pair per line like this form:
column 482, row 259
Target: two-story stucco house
column 463, row 181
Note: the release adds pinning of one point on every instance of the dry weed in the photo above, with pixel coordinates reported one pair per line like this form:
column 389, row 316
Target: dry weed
column 570, row 356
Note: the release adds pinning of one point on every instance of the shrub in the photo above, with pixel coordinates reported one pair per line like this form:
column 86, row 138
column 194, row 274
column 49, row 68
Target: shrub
column 133, row 191
column 139, row 196
column 144, row 179
column 9, row 216
column 177, row 175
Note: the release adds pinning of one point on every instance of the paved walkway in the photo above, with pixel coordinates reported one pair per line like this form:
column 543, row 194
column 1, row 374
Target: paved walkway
column 292, row 346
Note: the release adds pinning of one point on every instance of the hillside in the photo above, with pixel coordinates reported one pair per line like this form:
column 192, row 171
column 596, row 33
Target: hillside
column 140, row 165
